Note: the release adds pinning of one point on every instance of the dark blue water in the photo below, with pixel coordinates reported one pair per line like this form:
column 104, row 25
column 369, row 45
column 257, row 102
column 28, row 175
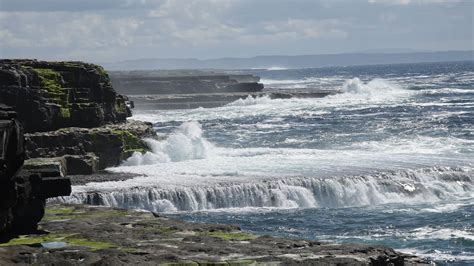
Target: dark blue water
column 442, row 110
column 388, row 160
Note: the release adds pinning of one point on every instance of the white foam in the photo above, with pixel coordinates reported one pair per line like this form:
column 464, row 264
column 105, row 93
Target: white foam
column 438, row 255
column 171, row 193
column 186, row 143
column 427, row 232
column 250, row 100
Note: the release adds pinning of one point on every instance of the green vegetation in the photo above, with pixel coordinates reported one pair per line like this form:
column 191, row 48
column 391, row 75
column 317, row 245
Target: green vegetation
column 94, row 245
column 120, row 106
column 65, row 112
column 50, row 81
column 231, row 236
column 131, row 143
column 70, row 240
column 64, row 213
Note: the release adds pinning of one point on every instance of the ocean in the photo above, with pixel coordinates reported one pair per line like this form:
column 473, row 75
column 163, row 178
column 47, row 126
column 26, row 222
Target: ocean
column 388, row 160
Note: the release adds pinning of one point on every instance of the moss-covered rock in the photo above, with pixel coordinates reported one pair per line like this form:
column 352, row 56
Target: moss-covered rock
column 111, row 144
column 52, row 95
column 98, row 235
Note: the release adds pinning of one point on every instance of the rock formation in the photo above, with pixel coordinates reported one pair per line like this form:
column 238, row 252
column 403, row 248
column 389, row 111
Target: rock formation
column 87, row 149
column 52, row 95
column 182, row 82
column 72, row 115
column 22, row 193
column 104, row 236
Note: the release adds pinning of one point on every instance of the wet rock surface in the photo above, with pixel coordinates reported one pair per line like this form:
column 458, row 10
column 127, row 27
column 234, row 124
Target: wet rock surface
column 76, row 234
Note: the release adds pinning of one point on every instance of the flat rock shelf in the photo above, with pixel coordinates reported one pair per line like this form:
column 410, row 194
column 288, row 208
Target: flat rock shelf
column 78, row 234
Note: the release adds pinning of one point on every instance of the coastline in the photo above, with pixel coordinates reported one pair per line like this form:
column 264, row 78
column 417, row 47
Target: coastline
column 80, row 234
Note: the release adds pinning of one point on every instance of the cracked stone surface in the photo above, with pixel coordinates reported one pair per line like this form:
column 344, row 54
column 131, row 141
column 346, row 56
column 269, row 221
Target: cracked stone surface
column 78, row 234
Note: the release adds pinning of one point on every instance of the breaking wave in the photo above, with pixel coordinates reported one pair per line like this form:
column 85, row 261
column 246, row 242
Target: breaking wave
column 186, row 143
column 250, row 100
column 352, row 91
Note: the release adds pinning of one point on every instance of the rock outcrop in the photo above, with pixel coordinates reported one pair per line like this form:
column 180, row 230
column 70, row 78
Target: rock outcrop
column 52, row 95
column 180, row 82
column 22, row 193
column 72, row 115
column 89, row 149
column 103, row 236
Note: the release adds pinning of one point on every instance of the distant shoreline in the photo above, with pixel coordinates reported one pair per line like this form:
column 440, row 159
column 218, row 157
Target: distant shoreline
column 291, row 61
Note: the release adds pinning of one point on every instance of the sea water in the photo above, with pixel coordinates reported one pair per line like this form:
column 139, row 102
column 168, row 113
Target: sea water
column 388, row 160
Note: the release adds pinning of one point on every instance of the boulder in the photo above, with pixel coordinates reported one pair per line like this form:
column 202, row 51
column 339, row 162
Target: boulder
column 47, row 167
column 82, row 164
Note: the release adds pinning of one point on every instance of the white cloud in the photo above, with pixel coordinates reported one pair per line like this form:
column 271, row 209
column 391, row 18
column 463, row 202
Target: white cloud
column 305, row 28
column 112, row 29
column 64, row 29
column 407, row 2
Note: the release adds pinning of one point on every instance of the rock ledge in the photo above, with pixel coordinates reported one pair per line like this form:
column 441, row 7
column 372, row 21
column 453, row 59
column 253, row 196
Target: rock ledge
column 76, row 234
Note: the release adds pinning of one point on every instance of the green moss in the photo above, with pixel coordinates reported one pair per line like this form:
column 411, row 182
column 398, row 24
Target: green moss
column 120, row 106
column 131, row 143
column 70, row 240
column 94, row 245
column 50, row 81
column 166, row 230
column 65, row 112
column 59, row 211
column 228, row 236
column 34, row 239
column 64, row 213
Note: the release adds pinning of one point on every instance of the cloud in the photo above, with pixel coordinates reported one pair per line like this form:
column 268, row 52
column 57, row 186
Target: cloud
column 408, row 2
column 111, row 30
column 305, row 28
column 65, row 29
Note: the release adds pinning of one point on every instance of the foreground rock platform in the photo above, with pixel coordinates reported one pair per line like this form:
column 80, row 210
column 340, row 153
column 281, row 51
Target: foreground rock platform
column 78, row 234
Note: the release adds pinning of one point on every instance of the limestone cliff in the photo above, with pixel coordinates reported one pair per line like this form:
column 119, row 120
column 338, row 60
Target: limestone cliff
column 52, row 95
column 72, row 115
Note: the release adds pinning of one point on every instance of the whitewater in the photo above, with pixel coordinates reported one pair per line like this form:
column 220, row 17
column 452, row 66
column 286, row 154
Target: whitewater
column 387, row 160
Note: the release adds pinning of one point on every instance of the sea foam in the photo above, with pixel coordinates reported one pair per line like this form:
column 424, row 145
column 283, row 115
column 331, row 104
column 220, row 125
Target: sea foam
column 186, row 143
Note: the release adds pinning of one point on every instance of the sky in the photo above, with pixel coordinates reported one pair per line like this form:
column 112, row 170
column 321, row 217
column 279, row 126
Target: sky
column 115, row 30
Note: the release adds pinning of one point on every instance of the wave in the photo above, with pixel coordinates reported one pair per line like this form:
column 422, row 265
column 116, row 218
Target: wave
column 374, row 89
column 291, row 83
column 353, row 91
column 404, row 186
column 185, row 143
column 444, row 257
column 250, row 100
column 446, row 91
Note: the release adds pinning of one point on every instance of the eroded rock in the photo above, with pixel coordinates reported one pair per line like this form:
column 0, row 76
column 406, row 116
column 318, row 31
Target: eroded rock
column 52, row 95
column 111, row 144
column 113, row 236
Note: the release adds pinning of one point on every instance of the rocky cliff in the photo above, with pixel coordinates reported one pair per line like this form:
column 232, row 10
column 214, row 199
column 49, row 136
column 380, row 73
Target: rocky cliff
column 72, row 115
column 86, row 150
column 52, row 95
